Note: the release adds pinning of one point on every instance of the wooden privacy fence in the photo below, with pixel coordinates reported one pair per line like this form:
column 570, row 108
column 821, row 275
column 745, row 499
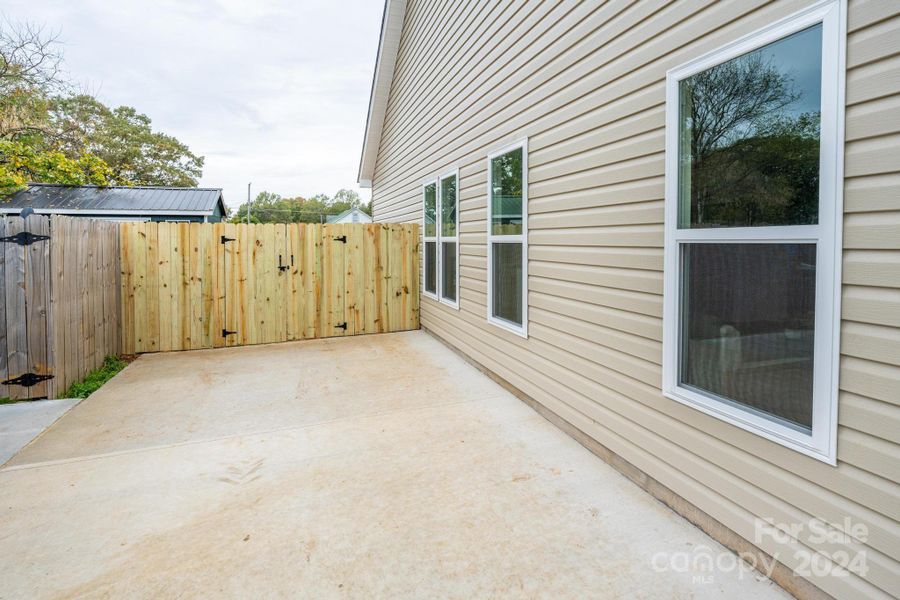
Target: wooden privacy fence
column 59, row 302
column 73, row 290
column 196, row 285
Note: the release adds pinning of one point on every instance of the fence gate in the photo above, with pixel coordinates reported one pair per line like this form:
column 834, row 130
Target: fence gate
column 284, row 282
column 197, row 285
column 24, row 307
column 254, row 288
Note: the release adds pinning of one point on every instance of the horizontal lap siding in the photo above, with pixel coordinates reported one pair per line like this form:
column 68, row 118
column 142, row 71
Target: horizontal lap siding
column 585, row 83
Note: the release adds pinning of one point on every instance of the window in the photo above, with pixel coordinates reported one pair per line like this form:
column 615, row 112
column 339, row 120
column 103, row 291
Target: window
column 429, row 231
column 439, row 205
column 753, row 213
column 449, row 239
column 508, row 238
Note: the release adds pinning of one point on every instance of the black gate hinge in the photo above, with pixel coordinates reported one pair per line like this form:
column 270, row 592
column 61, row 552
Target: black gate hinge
column 24, row 238
column 27, row 379
column 341, row 326
column 226, row 239
column 341, row 238
column 226, row 333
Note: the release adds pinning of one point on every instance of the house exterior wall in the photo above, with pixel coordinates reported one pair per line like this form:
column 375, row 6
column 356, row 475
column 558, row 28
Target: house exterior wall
column 585, row 82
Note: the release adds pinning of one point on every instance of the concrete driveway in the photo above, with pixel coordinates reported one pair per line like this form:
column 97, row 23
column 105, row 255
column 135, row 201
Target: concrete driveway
column 366, row 467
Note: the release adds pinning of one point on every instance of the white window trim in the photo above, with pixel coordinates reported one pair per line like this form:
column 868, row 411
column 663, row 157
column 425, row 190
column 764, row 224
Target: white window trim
column 441, row 239
column 822, row 442
column 520, row 330
column 438, row 238
column 434, row 238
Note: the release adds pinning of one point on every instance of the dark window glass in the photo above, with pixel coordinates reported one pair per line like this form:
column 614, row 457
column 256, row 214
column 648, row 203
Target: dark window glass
column 506, row 193
column 448, row 266
column 448, row 207
column 747, row 325
column 507, row 281
column 430, row 210
column 430, row 267
column 749, row 137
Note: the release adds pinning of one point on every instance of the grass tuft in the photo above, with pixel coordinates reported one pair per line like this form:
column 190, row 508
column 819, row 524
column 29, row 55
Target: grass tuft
column 96, row 378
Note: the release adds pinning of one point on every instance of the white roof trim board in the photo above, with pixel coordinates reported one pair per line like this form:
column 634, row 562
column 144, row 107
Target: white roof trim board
column 388, row 45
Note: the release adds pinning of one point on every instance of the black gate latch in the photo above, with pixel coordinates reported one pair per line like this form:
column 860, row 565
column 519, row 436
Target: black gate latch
column 27, row 379
column 24, row 238
column 341, row 238
column 341, row 326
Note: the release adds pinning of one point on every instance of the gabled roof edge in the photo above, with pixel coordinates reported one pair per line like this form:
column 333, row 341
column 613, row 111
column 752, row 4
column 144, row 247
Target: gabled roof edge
column 221, row 202
column 386, row 59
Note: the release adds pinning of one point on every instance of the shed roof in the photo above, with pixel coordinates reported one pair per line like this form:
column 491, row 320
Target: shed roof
column 90, row 198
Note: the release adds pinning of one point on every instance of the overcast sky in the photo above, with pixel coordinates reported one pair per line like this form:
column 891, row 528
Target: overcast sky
column 269, row 91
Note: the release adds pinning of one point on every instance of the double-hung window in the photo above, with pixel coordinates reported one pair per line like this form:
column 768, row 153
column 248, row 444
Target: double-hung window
column 441, row 236
column 507, row 238
column 753, row 214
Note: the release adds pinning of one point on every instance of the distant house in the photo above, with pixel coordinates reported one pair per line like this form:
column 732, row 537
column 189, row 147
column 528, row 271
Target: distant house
column 138, row 203
column 354, row 215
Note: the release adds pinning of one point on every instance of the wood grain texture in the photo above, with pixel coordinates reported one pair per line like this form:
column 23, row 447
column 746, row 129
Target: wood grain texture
column 4, row 365
column 217, row 314
column 77, row 292
column 16, row 335
column 37, row 300
column 364, row 276
column 70, row 313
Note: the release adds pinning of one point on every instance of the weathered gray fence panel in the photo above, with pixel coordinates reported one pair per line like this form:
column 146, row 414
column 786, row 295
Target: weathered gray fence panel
column 85, row 314
column 4, row 371
column 59, row 303
column 16, row 335
column 37, row 303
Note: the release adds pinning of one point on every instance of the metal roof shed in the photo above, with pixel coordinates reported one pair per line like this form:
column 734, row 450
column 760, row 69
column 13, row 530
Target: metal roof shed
column 146, row 203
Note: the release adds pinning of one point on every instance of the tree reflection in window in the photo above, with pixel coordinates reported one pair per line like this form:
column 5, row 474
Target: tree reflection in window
column 749, row 137
column 506, row 193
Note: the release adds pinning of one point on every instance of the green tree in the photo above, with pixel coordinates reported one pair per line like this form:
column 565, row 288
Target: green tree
column 344, row 199
column 52, row 135
column 125, row 140
column 29, row 75
column 21, row 163
column 347, row 197
column 271, row 208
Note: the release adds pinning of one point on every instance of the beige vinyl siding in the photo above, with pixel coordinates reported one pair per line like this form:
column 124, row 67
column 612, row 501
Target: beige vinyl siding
column 585, row 82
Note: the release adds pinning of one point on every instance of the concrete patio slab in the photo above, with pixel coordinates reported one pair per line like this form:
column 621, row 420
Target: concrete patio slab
column 23, row 421
column 378, row 466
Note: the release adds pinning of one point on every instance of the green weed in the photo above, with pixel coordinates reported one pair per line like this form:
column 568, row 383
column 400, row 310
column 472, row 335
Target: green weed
column 96, row 378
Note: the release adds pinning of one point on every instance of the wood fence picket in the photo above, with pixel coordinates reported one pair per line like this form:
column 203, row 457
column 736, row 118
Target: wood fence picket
column 184, row 284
